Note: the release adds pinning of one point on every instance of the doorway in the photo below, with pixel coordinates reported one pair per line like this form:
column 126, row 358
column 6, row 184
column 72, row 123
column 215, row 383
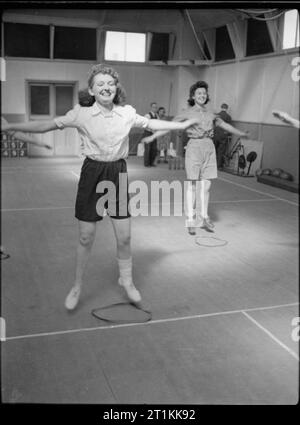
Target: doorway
column 47, row 100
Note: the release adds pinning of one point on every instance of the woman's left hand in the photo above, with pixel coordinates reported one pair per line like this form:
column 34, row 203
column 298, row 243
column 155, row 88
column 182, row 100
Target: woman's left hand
column 46, row 145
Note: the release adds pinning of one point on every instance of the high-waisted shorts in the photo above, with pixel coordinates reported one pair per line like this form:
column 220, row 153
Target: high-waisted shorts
column 200, row 159
column 102, row 185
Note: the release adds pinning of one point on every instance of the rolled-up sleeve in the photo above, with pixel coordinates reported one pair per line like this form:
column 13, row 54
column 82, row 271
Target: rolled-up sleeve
column 140, row 121
column 68, row 120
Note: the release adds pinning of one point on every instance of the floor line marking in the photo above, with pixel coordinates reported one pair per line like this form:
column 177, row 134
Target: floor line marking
column 154, row 203
column 289, row 350
column 35, row 209
column 152, row 322
column 258, row 191
column 53, row 169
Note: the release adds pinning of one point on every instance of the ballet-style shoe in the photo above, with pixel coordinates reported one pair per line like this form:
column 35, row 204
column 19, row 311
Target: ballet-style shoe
column 132, row 293
column 190, row 225
column 207, row 224
column 73, row 298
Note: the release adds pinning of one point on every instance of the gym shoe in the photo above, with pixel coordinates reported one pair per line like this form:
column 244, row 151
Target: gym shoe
column 190, row 225
column 192, row 231
column 207, row 224
column 73, row 298
column 132, row 293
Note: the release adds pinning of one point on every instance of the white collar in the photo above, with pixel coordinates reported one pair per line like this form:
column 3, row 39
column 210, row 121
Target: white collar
column 96, row 110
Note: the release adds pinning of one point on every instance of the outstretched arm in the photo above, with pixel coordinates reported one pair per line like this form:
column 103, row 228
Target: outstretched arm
column 154, row 136
column 23, row 137
column 231, row 129
column 31, row 126
column 286, row 118
column 171, row 125
column 163, row 127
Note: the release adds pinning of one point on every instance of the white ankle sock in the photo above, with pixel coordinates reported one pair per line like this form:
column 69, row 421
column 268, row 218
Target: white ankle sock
column 125, row 268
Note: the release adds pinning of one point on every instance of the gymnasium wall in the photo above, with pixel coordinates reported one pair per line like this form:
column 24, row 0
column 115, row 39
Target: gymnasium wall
column 143, row 85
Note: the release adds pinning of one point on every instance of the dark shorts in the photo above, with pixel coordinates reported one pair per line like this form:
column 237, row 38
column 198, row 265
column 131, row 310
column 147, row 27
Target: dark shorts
column 102, row 185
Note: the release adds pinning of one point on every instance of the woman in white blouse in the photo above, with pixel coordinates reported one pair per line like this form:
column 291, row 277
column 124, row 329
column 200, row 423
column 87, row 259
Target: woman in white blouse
column 103, row 129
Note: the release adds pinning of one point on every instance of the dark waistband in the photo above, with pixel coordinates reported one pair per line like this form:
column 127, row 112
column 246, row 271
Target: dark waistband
column 87, row 158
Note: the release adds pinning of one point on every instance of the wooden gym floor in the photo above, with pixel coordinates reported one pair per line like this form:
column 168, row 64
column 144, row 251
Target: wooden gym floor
column 221, row 329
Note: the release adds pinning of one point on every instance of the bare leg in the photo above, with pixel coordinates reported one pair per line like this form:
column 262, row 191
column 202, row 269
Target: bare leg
column 202, row 204
column 122, row 229
column 87, row 232
column 203, row 194
column 190, row 200
column 190, row 206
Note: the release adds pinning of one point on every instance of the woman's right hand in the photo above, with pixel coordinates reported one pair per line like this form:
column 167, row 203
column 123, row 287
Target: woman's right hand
column 147, row 139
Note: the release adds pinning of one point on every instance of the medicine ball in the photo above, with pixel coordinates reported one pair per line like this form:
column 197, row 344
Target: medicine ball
column 286, row 176
column 276, row 172
column 267, row 172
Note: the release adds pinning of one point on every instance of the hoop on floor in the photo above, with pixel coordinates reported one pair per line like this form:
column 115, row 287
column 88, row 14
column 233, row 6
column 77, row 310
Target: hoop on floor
column 206, row 243
column 98, row 313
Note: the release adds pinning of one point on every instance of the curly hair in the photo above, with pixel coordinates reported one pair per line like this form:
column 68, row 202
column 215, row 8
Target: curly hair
column 193, row 88
column 120, row 96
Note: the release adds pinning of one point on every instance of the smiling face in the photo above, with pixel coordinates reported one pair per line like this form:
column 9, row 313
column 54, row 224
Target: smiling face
column 104, row 89
column 200, row 96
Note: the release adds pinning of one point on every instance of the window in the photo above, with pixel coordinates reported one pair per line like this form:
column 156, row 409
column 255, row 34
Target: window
column 39, row 99
column 291, row 29
column 63, row 99
column 50, row 99
column 258, row 38
column 33, row 41
column 75, row 43
column 26, row 40
column 125, row 46
column 224, row 49
column 159, row 50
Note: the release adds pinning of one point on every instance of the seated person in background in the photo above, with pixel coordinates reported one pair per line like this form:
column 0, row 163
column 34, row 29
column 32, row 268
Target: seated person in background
column 286, row 118
column 221, row 136
column 163, row 142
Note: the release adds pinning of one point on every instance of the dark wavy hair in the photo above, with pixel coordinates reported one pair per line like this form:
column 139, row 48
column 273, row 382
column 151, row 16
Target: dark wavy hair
column 85, row 98
column 120, row 96
column 193, row 88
